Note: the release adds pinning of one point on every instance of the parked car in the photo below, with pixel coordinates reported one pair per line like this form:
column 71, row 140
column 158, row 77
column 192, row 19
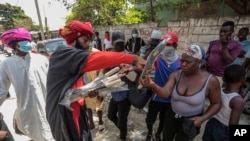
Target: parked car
column 47, row 47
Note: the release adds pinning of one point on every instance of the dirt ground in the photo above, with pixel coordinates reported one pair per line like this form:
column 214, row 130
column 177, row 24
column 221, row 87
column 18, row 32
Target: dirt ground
column 137, row 130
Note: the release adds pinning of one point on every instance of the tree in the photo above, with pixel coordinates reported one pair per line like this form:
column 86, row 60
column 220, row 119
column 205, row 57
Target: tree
column 14, row 16
column 27, row 22
column 103, row 12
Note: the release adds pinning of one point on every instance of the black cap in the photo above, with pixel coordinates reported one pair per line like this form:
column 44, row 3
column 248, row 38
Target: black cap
column 118, row 37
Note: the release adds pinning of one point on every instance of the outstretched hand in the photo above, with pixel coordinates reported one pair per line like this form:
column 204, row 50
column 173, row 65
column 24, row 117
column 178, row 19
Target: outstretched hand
column 126, row 68
column 140, row 63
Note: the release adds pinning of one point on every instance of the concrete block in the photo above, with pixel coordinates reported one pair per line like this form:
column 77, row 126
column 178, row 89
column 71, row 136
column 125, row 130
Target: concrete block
column 182, row 38
column 197, row 22
column 143, row 25
column 178, row 30
column 209, row 30
column 173, row 23
column 244, row 20
column 121, row 27
column 152, row 24
column 207, row 38
column 128, row 31
column 194, row 38
column 224, row 19
column 209, row 21
column 185, row 23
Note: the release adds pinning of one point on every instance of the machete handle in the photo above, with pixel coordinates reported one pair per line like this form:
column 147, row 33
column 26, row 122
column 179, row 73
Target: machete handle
column 114, row 70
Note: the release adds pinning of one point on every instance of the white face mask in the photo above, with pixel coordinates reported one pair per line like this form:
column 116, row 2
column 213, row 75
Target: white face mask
column 169, row 55
column 134, row 35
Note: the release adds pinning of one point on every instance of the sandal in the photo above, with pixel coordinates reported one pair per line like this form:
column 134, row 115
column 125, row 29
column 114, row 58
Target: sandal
column 101, row 127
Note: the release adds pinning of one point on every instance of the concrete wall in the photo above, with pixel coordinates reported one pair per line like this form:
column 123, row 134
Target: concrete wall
column 193, row 31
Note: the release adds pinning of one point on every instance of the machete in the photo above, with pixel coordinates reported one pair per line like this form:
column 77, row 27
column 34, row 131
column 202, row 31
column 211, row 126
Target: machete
column 152, row 56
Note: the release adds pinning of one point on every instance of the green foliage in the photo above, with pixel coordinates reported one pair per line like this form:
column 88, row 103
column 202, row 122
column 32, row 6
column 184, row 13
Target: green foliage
column 174, row 3
column 105, row 12
column 27, row 22
column 134, row 16
column 13, row 16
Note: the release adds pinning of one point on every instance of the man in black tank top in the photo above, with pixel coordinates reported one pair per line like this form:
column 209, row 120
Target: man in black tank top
column 183, row 123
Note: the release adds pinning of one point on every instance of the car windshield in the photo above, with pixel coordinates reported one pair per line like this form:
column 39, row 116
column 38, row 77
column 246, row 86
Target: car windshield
column 52, row 45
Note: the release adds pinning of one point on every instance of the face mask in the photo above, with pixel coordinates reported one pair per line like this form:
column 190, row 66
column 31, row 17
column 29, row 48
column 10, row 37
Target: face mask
column 25, row 46
column 134, row 35
column 168, row 52
column 169, row 55
column 154, row 43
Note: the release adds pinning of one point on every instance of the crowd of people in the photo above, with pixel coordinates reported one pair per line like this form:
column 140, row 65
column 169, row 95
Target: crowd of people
column 179, row 84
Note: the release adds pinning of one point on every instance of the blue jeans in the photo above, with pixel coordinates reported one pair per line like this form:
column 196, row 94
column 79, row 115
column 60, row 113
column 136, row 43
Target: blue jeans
column 215, row 131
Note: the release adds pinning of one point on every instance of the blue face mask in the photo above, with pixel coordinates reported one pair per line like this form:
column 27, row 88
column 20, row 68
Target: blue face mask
column 24, row 46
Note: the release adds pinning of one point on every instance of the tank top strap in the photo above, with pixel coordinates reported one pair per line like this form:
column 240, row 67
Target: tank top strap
column 179, row 76
column 207, row 81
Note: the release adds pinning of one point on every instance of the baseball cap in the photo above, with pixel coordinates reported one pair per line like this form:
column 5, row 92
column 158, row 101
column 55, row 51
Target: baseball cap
column 118, row 37
column 156, row 34
column 171, row 36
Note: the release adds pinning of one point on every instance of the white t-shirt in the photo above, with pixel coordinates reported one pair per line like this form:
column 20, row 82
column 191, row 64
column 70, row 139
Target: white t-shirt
column 107, row 44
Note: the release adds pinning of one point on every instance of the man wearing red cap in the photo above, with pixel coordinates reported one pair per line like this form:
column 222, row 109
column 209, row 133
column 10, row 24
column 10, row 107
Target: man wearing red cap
column 67, row 65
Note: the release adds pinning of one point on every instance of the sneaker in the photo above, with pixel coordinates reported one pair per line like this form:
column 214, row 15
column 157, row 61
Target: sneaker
column 157, row 137
column 148, row 138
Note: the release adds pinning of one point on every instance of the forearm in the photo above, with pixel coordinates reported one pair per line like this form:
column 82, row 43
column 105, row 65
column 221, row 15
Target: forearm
column 226, row 55
column 101, row 60
column 211, row 111
column 160, row 91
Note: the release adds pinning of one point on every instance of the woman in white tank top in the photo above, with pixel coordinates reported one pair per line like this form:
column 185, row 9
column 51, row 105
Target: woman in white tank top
column 192, row 81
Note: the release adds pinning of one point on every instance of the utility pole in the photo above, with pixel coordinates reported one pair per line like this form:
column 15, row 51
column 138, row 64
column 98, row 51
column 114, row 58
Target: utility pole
column 46, row 28
column 39, row 18
column 151, row 11
column 46, row 25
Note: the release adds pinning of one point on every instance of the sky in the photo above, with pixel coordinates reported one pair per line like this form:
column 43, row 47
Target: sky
column 52, row 9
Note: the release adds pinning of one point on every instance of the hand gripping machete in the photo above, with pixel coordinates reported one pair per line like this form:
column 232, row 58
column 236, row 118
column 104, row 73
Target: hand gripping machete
column 152, row 56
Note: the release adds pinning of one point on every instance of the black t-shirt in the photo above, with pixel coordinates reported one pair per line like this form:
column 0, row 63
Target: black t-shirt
column 99, row 44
